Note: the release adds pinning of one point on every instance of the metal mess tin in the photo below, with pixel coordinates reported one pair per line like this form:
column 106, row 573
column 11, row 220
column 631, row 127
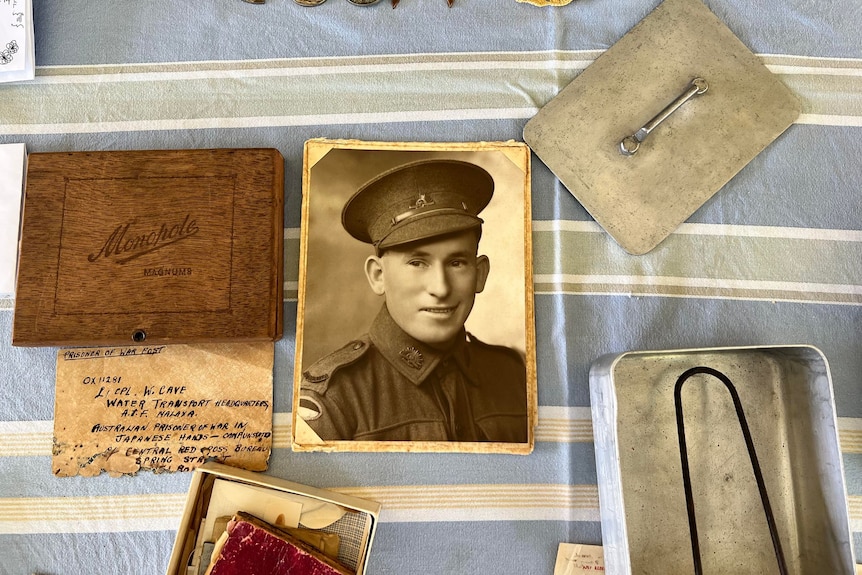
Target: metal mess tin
column 735, row 468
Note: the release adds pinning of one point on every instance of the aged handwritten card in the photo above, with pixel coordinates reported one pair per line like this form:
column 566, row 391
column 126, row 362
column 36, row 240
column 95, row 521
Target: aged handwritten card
column 573, row 558
column 162, row 408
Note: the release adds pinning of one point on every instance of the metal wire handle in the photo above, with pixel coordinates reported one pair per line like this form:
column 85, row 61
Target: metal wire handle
column 752, row 455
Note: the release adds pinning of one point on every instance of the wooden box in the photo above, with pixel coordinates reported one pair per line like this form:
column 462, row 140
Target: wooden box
column 157, row 246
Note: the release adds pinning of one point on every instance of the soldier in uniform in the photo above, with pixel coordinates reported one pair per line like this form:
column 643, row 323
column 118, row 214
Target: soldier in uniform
column 417, row 375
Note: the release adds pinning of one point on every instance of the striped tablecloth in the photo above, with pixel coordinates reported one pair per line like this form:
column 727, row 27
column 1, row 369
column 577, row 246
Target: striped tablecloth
column 774, row 258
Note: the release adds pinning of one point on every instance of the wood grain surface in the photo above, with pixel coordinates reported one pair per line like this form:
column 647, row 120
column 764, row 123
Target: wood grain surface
column 151, row 247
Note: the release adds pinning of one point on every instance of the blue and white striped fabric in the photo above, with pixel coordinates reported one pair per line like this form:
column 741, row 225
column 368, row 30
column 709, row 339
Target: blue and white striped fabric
column 774, row 258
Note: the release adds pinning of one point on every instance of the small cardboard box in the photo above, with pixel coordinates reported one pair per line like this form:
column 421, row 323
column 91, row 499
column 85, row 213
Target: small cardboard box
column 356, row 527
column 167, row 246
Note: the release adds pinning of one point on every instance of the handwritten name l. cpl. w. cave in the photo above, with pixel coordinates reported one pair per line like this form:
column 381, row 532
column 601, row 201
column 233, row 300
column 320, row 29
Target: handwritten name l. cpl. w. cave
column 156, row 404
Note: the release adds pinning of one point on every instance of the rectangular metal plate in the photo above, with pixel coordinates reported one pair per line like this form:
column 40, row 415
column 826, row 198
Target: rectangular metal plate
column 641, row 199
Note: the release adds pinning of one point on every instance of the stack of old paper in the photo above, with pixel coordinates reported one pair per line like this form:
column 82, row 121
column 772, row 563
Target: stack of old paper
column 12, row 161
column 17, row 52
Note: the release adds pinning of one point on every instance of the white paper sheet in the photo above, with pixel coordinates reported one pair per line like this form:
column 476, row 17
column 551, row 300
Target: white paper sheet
column 17, row 53
column 12, row 161
column 228, row 497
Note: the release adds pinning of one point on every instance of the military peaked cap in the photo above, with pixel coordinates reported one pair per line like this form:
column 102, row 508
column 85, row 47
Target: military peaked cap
column 418, row 201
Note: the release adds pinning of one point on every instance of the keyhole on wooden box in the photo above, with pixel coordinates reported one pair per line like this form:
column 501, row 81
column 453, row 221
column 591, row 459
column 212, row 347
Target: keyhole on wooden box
column 139, row 335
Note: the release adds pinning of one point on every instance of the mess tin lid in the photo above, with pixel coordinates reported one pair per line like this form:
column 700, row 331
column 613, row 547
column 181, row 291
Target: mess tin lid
column 689, row 137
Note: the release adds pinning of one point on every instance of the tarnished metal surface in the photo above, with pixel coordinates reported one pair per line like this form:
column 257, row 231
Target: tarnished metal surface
column 786, row 394
column 640, row 200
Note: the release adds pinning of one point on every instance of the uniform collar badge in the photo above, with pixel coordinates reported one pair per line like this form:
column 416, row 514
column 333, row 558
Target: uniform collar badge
column 412, row 357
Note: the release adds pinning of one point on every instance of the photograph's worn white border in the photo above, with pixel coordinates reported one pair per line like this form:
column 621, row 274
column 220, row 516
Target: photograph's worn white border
column 517, row 159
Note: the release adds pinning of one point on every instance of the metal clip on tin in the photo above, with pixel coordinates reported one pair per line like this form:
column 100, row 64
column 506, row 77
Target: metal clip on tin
column 630, row 144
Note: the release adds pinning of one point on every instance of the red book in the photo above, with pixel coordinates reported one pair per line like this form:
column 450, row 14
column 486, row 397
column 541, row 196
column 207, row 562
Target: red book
column 254, row 547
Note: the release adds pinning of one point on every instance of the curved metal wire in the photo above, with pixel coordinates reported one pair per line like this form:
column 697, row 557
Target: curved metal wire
column 752, row 455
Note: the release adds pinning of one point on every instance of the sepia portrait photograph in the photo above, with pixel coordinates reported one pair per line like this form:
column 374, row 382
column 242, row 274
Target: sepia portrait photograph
column 415, row 327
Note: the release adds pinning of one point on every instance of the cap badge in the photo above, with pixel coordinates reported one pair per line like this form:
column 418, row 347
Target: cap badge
column 422, row 202
column 412, row 357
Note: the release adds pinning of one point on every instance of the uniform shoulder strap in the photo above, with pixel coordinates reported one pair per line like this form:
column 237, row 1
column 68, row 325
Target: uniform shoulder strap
column 316, row 377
